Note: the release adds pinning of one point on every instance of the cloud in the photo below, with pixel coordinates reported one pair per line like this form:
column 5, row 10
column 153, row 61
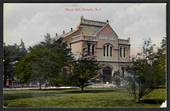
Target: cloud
column 32, row 21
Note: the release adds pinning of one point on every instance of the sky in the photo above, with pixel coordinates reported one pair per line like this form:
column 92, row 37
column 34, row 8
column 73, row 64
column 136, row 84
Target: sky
column 31, row 21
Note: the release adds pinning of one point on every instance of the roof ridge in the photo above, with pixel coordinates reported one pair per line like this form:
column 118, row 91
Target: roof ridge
column 95, row 21
column 92, row 22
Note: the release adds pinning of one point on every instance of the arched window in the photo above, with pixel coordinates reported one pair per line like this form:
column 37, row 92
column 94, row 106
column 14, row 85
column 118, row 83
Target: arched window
column 107, row 50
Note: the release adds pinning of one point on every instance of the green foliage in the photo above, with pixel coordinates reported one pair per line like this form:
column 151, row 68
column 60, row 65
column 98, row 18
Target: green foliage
column 70, row 98
column 45, row 62
column 149, row 69
column 84, row 70
column 117, row 78
column 12, row 54
column 23, row 70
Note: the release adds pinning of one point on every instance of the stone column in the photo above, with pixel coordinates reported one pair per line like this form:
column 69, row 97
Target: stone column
column 108, row 50
column 112, row 72
column 91, row 49
column 122, row 51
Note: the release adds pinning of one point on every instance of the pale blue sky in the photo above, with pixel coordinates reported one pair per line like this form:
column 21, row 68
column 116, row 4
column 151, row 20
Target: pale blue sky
column 32, row 21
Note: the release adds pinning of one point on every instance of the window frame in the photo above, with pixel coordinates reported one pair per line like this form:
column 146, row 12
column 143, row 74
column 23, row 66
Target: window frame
column 107, row 50
column 120, row 52
column 111, row 50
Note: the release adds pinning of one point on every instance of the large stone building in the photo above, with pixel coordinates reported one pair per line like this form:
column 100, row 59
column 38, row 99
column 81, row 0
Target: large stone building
column 97, row 39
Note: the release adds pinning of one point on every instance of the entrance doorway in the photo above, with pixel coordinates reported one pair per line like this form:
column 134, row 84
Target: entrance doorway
column 107, row 74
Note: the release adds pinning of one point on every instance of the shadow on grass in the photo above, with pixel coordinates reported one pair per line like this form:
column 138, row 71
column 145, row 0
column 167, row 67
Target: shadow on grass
column 27, row 95
column 56, row 92
column 92, row 91
column 77, row 90
column 152, row 101
column 55, row 89
column 79, row 104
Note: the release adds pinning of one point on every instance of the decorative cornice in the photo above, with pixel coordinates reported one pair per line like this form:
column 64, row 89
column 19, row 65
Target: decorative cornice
column 92, row 22
column 125, row 44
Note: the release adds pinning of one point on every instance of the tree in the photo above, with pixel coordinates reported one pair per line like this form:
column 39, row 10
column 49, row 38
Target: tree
column 45, row 62
column 12, row 54
column 117, row 78
column 23, row 70
column 160, row 63
column 35, row 66
column 148, row 70
column 84, row 69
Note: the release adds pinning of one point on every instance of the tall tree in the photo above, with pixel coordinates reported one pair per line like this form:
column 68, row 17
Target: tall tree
column 45, row 61
column 160, row 64
column 148, row 70
column 12, row 54
column 84, row 70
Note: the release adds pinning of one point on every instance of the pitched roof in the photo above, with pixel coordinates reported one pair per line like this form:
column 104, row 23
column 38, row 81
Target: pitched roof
column 89, row 30
column 92, row 22
column 68, row 33
column 90, row 27
column 107, row 25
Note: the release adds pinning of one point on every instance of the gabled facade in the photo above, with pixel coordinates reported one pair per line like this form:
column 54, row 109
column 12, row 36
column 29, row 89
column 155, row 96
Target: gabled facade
column 97, row 39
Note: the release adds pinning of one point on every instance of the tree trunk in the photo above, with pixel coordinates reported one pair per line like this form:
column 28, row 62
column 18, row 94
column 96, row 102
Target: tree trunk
column 22, row 85
column 5, row 74
column 5, row 81
column 40, row 86
column 82, row 88
column 135, row 96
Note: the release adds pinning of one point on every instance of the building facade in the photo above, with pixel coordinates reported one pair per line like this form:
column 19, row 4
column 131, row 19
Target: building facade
column 97, row 39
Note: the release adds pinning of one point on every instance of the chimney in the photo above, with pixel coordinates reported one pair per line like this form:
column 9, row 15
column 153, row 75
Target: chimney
column 129, row 39
column 71, row 29
column 63, row 31
column 107, row 21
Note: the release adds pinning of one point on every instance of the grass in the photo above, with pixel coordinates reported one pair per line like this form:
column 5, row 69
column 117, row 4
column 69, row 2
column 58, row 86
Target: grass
column 73, row 98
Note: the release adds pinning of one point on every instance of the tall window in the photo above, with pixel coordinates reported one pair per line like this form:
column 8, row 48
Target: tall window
column 104, row 48
column 107, row 50
column 111, row 51
column 92, row 49
column 122, row 52
column 88, row 49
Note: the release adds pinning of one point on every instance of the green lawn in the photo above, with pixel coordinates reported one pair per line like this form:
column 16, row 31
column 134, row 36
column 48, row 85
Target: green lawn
column 72, row 98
